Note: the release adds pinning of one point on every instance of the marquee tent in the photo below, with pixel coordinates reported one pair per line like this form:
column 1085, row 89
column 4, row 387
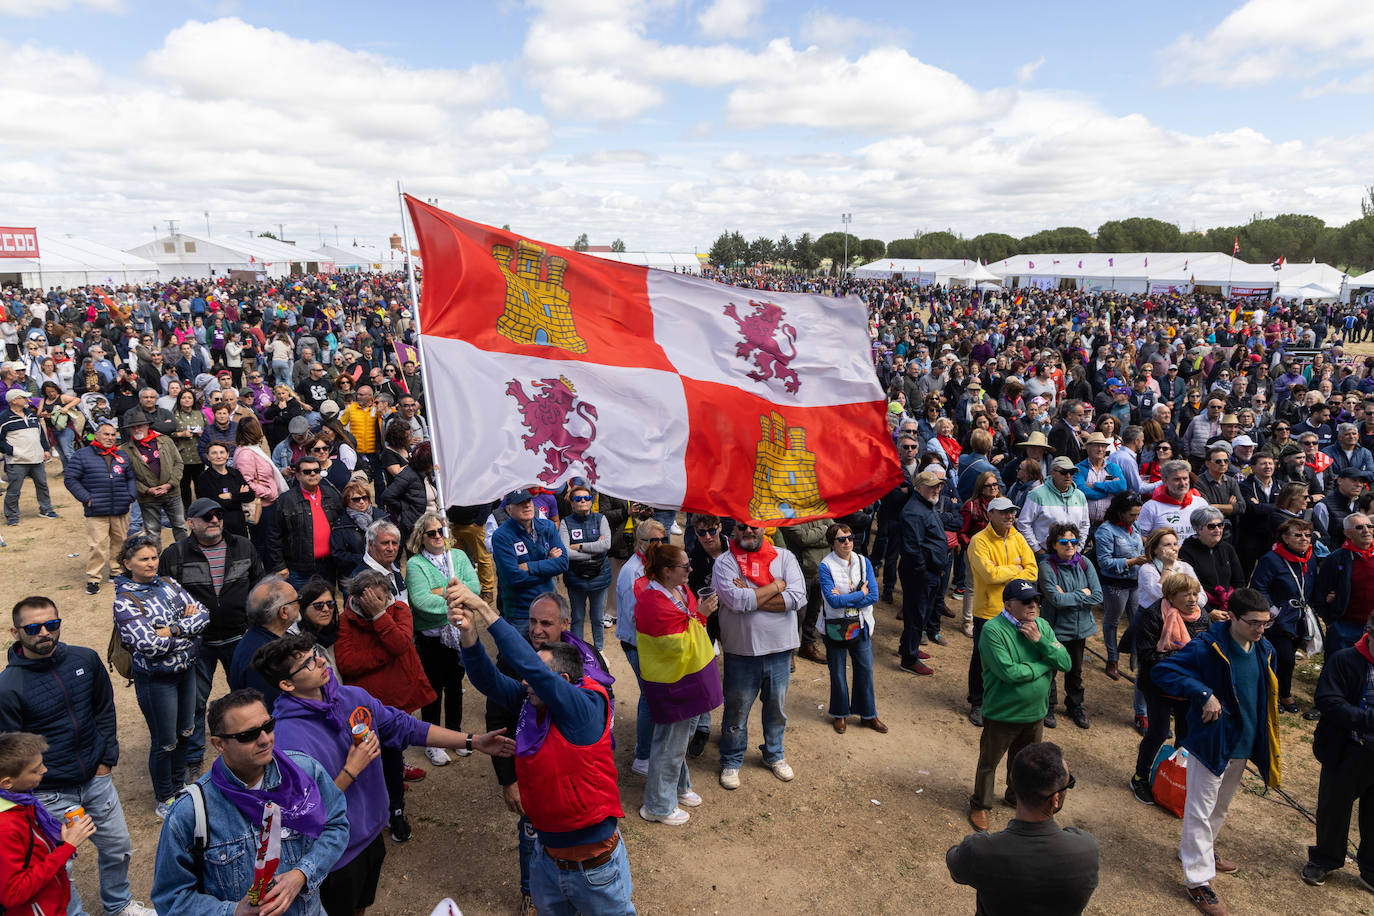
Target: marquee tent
column 203, row 256
column 67, row 261
column 943, row 271
column 366, row 257
column 679, row 261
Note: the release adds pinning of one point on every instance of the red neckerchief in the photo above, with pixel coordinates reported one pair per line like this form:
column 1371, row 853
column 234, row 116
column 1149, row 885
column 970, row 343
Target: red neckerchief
column 1362, row 554
column 755, row 565
column 102, row 450
column 1161, row 494
column 1363, row 646
column 1320, row 462
column 1292, row 557
column 952, row 448
column 148, row 440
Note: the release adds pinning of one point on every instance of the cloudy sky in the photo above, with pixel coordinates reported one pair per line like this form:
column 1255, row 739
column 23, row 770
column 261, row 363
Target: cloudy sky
column 664, row 122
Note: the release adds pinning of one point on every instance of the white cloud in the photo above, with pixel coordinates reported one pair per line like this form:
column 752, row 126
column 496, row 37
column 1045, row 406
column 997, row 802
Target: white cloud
column 826, row 30
column 1265, row 40
column 1026, row 72
column 729, row 18
column 33, row 8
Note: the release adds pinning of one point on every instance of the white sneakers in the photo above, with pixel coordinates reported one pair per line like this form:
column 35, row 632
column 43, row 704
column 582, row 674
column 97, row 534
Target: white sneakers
column 640, row 766
column 137, row 909
column 690, row 799
column 782, row 770
column 676, row 529
column 677, row 818
column 438, row 756
column 729, row 778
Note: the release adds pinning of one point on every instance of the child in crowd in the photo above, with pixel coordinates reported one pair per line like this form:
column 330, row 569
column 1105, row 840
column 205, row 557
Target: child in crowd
column 34, row 846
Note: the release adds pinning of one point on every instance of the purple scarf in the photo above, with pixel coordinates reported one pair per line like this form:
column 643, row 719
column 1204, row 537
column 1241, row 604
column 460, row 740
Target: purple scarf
column 302, row 805
column 51, row 826
column 591, row 667
column 1074, row 562
column 530, row 730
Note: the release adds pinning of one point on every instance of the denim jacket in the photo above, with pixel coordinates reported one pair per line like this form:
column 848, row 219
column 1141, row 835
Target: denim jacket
column 230, row 851
column 1116, row 545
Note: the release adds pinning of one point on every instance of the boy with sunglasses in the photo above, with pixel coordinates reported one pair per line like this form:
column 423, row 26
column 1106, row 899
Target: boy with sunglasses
column 63, row 693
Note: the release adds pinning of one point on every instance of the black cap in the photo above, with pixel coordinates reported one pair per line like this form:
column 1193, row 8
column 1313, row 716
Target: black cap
column 1019, row 590
column 1354, row 473
column 202, row 507
column 515, row 497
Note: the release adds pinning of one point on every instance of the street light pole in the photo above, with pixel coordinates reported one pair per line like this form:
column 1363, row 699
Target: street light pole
column 844, row 219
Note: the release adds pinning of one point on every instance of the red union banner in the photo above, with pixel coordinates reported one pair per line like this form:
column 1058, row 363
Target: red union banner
column 654, row 386
column 18, row 243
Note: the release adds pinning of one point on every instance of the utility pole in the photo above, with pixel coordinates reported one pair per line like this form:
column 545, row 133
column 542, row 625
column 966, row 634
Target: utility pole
column 281, row 232
column 207, row 222
column 844, row 219
column 172, row 226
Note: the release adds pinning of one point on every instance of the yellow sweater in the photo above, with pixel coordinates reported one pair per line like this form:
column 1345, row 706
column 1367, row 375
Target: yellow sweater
column 995, row 561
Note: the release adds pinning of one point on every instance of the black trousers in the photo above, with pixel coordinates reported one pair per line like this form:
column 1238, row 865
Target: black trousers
column 915, row 606
column 444, row 669
column 1285, row 658
column 394, row 773
column 1073, row 678
column 1158, row 708
column 1344, row 782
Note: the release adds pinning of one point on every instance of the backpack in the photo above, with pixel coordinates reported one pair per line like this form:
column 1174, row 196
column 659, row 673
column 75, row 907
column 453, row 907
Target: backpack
column 200, row 838
column 117, row 655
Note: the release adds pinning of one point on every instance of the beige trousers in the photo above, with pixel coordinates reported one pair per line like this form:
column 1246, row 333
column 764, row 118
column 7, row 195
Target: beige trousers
column 104, row 537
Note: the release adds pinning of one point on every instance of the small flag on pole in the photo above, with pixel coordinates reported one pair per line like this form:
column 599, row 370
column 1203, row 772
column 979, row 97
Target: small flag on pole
column 1235, row 247
column 1278, row 264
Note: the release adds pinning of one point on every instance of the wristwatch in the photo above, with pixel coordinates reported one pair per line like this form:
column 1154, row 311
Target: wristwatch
column 174, row 628
column 469, row 746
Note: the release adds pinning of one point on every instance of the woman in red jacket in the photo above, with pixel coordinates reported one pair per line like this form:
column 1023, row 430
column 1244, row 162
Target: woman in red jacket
column 375, row 650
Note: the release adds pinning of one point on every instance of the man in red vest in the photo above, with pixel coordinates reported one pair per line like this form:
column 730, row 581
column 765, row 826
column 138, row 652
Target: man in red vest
column 563, row 762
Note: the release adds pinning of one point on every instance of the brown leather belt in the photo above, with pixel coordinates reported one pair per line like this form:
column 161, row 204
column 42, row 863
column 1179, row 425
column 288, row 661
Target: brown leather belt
column 594, row 862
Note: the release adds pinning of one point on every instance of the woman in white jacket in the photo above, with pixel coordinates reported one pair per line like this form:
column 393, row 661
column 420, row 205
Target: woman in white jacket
column 849, row 590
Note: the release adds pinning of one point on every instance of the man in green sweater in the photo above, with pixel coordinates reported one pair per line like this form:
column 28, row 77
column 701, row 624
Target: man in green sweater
column 1020, row 653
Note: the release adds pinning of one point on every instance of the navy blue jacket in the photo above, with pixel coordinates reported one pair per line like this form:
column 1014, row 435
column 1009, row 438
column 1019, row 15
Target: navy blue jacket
column 1278, row 579
column 103, row 487
column 923, row 534
column 511, row 545
column 1202, row 669
column 67, row 699
column 1334, row 576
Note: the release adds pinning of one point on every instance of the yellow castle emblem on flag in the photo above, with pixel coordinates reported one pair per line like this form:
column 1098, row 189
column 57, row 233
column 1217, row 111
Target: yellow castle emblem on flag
column 784, row 473
column 537, row 309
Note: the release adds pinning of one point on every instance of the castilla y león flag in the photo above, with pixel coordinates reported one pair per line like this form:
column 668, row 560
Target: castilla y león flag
column 544, row 364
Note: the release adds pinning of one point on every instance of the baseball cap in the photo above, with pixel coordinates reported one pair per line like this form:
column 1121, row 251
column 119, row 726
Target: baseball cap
column 1019, row 590
column 1001, row 504
column 1063, row 463
column 515, row 497
column 201, row 507
column 1242, row 441
column 16, row 394
column 298, row 426
column 928, row 479
column 1354, row 472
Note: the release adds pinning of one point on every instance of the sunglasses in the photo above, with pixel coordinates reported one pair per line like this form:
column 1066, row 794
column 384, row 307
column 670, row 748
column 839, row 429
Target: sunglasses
column 843, row 538
column 325, row 605
column 434, row 532
column 323, row 449
column 357, row 499
column 1066, row 787
column 311, row 471
column 655, row 540
column 707, row 532
column 52, row 626
column 214, row 515
column 1213, row 526
column 249, row 735
column 581, row 499
column 1068, row 541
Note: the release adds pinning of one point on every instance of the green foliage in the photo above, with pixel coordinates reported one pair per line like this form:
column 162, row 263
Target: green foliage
column 267, row 235
column 582, row 244
column 832, row 246
column 1139, row 233
column 730, row 249
column 761, row 250
column 993, row 246
column 805, row 255
column 871, row 250
column 1058, row 241
column 617, row 245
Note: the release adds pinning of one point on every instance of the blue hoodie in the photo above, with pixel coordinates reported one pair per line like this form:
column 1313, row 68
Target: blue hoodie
column 141, row 608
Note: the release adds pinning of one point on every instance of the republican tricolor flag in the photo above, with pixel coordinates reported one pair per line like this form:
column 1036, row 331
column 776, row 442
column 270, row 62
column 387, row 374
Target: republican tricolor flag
column 543, row 364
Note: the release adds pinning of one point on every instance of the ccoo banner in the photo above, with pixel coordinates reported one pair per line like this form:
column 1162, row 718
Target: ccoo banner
column 18, row 243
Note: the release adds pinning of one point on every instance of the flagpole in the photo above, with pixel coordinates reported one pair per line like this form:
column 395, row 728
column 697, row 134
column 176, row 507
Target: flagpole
column 420, row 352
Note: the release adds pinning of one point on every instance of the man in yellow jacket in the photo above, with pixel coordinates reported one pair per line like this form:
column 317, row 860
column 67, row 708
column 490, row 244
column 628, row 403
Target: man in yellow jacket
column 997, row 554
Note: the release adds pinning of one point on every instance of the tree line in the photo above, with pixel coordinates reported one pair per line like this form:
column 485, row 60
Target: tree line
column 1294, row 236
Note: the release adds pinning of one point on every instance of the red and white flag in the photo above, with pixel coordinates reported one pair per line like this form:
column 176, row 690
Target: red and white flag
column 544, row 364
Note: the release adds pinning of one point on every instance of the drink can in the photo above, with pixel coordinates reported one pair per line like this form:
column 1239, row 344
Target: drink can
column 361, row 733
column 72, row 813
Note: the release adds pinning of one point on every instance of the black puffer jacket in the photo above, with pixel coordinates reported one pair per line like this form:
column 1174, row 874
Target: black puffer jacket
column 67, row 699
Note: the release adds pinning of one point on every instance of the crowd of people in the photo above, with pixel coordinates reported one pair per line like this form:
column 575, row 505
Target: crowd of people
column 1190, row 472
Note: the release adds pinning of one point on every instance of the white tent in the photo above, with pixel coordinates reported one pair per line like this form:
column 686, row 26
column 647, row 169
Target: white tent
column 683, row 262
column 923, row 271
column 67, row 261
column 202, row 256
column 1363, row 281
column 1314, row 291
column 365, row 257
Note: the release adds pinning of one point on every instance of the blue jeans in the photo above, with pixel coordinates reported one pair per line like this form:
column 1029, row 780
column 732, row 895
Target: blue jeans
column 667, row 518
column 111, row 839
column 168, row 703
column 604, row 890
column 750, row 677
column 66, row 439
column 222, row 653
column 526, row 841
column 15, row 475
column 1115, row 603
column 1341, row 634
column 668, row 777
column 837, row 655
column 152, row 515
column 589, row 603
column 644, row 726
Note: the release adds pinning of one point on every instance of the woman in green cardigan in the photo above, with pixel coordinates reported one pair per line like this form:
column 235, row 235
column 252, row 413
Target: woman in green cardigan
column 1071, row 590
column 431, row 565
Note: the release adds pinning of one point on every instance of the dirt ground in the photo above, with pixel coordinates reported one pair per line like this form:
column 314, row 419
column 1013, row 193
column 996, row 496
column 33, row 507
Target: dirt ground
column 862, row 829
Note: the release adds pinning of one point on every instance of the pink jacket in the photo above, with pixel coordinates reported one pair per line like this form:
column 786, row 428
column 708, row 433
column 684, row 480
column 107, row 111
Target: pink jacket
column 256, row 469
